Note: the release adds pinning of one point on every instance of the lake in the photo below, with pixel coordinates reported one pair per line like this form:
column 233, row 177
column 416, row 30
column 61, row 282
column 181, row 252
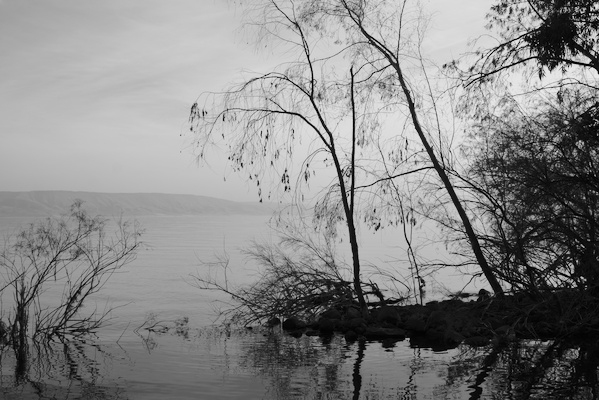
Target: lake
column 196, row 360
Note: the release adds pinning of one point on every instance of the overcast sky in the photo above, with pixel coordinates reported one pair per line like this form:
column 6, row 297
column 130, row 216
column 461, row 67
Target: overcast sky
column 94, row 94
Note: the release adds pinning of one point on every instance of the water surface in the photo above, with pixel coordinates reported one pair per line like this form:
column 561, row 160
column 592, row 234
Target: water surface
column 193, row 359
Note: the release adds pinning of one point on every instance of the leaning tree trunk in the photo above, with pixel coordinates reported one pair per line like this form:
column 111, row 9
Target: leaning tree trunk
column 474, row 243
column 391, row 57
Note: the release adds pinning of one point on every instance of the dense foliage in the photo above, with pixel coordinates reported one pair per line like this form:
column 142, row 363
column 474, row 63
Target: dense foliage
column 534, row 143
column 549, row 34
column 539, row 186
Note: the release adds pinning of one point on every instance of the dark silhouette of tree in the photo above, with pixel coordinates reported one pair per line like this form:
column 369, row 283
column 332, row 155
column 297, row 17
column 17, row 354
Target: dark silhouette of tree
column 70, row 258
column 349, row 78
column 307, row 109
column 538, row 185
column 547, row 34
column 385, row 51
column 533, row 170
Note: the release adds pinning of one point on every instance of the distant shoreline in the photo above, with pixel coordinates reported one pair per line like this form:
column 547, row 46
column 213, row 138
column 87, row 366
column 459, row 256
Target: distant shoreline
column 56, row 202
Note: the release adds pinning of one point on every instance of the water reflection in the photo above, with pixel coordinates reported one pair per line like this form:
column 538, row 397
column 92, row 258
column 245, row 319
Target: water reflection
column 229, row 364
column 330, row 368
column 356, row 376
column 297, row 368
column 317, row 368
column 536, row 369
column 70, row 370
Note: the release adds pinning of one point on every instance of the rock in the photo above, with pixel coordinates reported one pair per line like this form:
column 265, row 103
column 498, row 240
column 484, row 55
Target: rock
column 376, row 333
column 352, row 313
column 437, row 340
column 331, row 313
column 436, row 336
column 415, row 323
column 356, row 323
column 275, row 321
column 351, row 336
column 453, row 338
column 432, row 305
column 387, row 314
column 327, row 325
column 342, row 326
column 439, row 335
column 437, row 320
column 293, row 323
column 477, row 341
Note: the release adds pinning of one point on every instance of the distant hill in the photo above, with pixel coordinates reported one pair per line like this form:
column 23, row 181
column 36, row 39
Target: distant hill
column 49, row 203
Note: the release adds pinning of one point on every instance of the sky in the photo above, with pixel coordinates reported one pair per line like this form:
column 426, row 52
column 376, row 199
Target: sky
column 94, row 95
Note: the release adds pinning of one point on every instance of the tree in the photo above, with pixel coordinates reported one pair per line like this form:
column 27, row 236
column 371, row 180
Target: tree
column 53, row 266
column 549, row 34
column 536, row 176
column 266, row 119
column 263, row 119
column 532, row 174
column 379, row 26
column 301, row 276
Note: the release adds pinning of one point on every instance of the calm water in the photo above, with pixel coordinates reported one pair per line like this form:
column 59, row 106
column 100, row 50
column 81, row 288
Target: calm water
column 198, row 361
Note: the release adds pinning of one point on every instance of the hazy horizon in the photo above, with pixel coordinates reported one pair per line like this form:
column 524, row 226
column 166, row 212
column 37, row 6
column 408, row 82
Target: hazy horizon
column 48, row 203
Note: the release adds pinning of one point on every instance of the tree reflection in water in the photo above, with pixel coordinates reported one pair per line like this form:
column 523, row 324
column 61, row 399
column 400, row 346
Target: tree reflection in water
column 328, row 368
column 528, row 369
column 324, row 368
column 356, row 377
column 55, row 371
column 297, row 367
column 319, row 368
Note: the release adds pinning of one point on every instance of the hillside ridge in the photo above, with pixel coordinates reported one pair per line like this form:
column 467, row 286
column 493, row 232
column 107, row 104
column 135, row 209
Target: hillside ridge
column 56, row 202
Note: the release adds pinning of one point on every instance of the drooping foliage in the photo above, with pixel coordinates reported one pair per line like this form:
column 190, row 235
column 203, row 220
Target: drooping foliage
column 315, row 111
column 356, row 74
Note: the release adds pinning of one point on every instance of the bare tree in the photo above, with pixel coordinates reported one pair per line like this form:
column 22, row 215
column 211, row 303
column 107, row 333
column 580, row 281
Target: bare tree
column 379, row 27
column 301, row 276
column 316, row 106
column 53, row 266
column 338, row 101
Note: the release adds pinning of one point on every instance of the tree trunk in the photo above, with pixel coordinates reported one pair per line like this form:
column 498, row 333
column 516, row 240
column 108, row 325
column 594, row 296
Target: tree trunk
column 353, row 239
column 478, row 253
column 392, row 58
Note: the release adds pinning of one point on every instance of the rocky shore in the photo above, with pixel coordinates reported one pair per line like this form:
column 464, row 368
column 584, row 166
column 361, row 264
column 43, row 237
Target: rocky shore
column 445, row 324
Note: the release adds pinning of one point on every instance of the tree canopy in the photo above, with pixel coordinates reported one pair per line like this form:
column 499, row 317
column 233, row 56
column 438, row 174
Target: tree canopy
column 537, row 175
column 357, row 91
column 533, row 144
column 548, row 34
